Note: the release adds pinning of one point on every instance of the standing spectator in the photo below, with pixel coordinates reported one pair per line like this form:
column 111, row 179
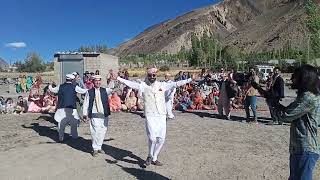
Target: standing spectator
column 110, row 79
column 23, row 83
column 277, row 91
column 202, row 73
column 78, row 81
column 126, row 75
column 178, row 76
column 226, row 93
column 251, row 96
column 29, row 83
column 88, row 83
column 304, row 116
column 97, row 72
column 18, row 85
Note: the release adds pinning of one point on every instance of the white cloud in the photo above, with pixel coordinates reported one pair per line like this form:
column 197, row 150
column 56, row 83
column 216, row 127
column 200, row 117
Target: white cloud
column 16, row 45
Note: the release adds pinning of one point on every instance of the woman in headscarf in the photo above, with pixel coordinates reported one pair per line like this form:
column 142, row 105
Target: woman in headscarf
column 49, row 102
column 115, row 102
column 29, row 83
column 18, row 85
column 23, row 83
column 35, row 100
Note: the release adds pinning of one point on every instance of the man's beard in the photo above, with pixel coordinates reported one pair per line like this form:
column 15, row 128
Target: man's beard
column 152, row 80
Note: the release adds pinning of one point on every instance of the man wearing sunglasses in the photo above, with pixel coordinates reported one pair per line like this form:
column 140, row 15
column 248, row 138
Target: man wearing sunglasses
column 155, row 111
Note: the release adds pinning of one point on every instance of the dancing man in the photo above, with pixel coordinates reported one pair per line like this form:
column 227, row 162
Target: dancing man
column 67, row 110
column 96, row 108
column 155, row 112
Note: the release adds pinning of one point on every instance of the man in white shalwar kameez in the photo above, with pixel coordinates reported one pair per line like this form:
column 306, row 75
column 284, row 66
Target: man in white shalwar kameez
column 96, row 108
column 169, row 96
column 153, row 93
column 66, row 109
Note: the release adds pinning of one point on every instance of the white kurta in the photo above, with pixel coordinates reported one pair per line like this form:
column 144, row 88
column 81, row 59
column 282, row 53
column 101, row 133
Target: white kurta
column 98, row 123
column 65, row 116
column 169, row 100
column 155, row 110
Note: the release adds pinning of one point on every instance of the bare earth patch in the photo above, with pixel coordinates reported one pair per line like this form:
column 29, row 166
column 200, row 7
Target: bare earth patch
column 198, row 146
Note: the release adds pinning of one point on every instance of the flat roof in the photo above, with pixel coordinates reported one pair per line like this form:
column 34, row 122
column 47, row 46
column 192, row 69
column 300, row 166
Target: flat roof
column 84, row 54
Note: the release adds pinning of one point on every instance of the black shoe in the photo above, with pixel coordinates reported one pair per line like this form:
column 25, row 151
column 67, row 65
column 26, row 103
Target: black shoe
column 157, row 163
column 148, row 161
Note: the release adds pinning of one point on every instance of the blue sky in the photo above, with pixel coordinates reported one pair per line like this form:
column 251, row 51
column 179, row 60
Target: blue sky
column 48, row 26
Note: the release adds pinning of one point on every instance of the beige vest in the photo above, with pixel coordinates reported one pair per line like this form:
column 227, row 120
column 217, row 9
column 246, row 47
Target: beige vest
column 154, row 99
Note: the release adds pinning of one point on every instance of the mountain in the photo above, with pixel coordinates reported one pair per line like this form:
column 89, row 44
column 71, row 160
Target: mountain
column 250, row 25
column 3, row 64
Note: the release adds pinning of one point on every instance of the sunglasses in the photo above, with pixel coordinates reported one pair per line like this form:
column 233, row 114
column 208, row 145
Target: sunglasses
column 152, row 75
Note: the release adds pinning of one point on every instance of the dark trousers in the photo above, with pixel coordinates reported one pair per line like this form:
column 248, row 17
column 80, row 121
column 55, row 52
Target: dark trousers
column 302, row 165
column 270, row 104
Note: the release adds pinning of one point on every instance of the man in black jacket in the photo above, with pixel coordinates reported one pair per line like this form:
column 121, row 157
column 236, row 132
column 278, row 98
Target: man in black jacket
column 277, row 91
column 96, row 108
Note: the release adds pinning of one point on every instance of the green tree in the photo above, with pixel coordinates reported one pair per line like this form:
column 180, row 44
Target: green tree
column 33, row 63
column 95, row 48
column 313, row 25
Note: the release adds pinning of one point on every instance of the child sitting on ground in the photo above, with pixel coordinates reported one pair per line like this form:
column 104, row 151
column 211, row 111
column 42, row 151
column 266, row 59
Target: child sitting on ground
column 9, row 108
column 22, row 106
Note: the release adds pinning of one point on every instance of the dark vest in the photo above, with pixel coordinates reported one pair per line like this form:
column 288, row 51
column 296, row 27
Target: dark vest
column 67, row 96
column 104, row 100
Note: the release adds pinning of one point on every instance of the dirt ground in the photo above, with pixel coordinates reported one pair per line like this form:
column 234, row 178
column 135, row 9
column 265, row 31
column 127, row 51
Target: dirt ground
column 198, row 146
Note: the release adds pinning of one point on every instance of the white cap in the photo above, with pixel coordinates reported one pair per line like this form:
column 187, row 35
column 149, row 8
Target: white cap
column 75, row 73
column 70, row 76
column 97, row 77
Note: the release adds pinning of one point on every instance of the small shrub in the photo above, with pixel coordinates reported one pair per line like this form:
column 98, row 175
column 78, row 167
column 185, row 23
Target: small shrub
column 164, row 68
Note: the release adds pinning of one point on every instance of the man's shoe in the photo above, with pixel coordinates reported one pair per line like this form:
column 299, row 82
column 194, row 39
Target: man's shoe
column 254, row 122
column 95, row 153
column 157, row 163
column 228, row 117
column 271, row 123
column 148, row 161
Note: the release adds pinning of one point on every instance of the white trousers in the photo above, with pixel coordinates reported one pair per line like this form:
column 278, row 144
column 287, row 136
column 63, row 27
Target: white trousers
column 73, row 126
column 98, row 129
column 169, row 107
column 156, row 126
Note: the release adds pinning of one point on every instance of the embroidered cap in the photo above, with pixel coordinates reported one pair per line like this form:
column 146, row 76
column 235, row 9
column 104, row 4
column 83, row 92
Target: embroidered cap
column 97, row 77
column 70, row 76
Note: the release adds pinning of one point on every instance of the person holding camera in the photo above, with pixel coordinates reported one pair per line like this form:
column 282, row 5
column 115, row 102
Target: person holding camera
column 304, row 116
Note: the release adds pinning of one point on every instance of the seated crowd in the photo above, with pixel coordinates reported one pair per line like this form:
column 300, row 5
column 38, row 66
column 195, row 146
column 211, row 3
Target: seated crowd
column 193, row 96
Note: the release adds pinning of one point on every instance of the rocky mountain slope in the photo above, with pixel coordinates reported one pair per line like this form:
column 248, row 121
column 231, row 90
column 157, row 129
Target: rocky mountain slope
column 250, row 25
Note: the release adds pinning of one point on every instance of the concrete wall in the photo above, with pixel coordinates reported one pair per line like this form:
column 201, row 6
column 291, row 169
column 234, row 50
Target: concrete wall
column 108, row 62
column 103, row 63
column 57, row 71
